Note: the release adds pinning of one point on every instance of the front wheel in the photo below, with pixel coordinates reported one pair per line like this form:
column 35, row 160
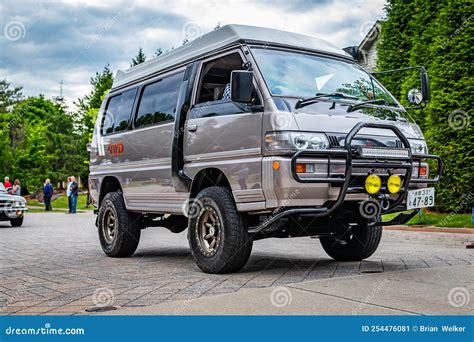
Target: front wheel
column 218, row 236
column 353, row 243
column 119, row 229
column 17, row 222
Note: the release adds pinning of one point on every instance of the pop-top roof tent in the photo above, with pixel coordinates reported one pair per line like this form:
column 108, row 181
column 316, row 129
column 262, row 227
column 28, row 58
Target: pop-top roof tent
column 220, row 38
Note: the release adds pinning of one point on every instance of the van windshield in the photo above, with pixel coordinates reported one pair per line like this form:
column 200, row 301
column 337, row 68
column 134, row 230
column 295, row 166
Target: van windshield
column 295, row 74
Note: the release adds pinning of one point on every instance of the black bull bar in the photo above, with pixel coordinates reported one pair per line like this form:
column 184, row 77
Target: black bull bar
column 348, row 152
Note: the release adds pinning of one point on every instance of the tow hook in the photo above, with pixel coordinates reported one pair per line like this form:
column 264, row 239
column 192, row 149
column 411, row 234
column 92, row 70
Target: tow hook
column 384, row 201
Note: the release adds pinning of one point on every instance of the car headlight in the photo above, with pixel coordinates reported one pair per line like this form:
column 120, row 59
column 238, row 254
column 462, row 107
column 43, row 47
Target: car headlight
column 286, row 141
column 418, row 147
column 16, row 204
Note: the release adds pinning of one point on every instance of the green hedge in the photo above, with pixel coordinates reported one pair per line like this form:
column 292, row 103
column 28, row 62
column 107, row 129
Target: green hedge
column 437, row 35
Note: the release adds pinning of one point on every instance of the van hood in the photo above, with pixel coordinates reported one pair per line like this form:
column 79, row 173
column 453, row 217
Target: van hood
column 342, row 124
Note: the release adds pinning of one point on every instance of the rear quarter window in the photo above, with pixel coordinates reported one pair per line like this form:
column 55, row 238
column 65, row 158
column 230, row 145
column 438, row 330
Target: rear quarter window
column 117, row 114
column 158, row 101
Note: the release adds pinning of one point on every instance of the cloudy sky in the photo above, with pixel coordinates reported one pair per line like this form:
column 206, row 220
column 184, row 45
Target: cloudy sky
column 44, row 42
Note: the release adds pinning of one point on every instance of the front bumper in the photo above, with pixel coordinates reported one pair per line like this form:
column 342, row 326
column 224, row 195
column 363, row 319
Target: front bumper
column 332, row 189
column 8, row 214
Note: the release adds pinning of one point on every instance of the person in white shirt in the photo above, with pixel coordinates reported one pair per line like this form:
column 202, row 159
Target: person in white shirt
column 68, row 194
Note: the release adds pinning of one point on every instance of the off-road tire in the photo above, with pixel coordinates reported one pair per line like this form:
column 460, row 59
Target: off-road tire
column 235, row 244
column 17, row 222
column 364, row 242
column 127, row 235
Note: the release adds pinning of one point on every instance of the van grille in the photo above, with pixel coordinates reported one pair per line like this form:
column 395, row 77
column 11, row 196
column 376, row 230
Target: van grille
column 333, row 141
column 337, row 141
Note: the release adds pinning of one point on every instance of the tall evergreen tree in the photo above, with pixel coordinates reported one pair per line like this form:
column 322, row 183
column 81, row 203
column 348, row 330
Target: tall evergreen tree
column 158, row 52
column 88, row 109
column 139, row 58
column 101, row 83
column 395, row 43
column 8, row 95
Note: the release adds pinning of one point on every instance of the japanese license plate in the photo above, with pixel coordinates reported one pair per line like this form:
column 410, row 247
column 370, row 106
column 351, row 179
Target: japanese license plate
column 421, row 198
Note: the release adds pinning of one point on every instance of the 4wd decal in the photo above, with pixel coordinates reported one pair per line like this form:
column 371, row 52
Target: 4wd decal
column 115, row 148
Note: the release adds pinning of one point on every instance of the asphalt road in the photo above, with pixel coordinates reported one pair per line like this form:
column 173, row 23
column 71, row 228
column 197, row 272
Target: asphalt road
column 54, row 265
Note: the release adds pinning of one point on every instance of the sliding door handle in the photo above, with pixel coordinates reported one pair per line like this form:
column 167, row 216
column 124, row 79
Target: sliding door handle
column 192, row 127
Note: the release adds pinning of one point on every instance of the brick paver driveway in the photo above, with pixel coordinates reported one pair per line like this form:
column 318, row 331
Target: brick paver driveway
column 54, row 265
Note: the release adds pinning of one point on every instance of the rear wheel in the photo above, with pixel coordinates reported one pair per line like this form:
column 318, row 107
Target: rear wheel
column 353, row 243
column 17, row 222
column 218, row 236
column 119, row 229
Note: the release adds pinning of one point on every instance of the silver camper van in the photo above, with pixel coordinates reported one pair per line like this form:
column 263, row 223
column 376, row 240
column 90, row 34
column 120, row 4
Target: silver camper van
column 249, row 133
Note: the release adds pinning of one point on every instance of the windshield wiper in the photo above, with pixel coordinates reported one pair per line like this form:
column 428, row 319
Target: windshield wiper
column 310, row 100
column 363, row 104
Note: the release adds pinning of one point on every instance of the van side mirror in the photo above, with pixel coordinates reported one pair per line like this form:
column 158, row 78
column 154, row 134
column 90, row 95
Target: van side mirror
column 425, row 85
column 416, row 97
column 241, row 86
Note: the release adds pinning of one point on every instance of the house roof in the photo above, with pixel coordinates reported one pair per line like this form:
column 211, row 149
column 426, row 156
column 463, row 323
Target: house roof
column 372, row 36
column 221, row 38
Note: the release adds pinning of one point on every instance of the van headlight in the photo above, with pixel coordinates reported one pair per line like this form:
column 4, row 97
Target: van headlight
column 418, row 147
column 286, row 141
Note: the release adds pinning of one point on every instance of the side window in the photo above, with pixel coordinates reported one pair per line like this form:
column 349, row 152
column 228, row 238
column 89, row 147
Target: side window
column 118, row 111
column 214, row 84
column 158, row 101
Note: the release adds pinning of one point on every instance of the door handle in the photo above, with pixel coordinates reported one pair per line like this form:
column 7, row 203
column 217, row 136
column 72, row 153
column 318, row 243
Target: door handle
column 192, row 128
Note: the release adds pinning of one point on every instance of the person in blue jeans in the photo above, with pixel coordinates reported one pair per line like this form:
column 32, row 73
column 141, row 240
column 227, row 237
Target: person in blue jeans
column 74, row 188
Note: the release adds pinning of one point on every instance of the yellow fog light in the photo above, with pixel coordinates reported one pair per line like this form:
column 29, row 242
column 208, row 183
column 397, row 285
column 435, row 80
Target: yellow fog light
column 394, row 184
column 373, row 184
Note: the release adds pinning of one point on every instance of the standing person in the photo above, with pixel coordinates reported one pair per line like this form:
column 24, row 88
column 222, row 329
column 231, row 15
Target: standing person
column 68, row 194
column 48, row 193
column 74, row 194
column 7, row 183
column 16, row 187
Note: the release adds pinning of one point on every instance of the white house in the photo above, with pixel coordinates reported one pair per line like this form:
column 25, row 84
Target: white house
column 368, row 47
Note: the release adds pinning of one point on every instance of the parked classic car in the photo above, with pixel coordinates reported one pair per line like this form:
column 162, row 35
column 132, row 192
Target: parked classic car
column 12, row 208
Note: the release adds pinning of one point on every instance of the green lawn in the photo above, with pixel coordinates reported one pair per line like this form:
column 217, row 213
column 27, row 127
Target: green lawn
column 438, row 219
column 61, row 203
